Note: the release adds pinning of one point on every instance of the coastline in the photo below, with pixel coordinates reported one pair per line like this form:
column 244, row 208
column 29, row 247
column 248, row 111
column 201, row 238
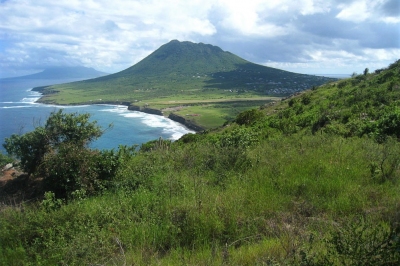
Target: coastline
column 132, row 107
column 174, row 117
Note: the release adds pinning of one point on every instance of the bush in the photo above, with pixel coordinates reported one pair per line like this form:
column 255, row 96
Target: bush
column 58, row 152
column 240, row 137
column 359, row 242
column 390, row 124
column 249, row 117
column 159, row 144
column 4, row 159
column 60, row 128
column 70, row 169
column 306, row 99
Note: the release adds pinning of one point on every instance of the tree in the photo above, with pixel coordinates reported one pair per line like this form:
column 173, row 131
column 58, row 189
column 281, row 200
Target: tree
column 366, row 71
column 29, row 148
column 60, row 128
column 58, row 152
column 249, row 117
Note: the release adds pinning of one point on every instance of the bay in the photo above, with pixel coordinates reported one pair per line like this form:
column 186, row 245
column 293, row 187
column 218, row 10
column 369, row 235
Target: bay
column 20, row 114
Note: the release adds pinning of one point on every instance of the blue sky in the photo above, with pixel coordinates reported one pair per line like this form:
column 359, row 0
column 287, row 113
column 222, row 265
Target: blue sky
column 304, row 36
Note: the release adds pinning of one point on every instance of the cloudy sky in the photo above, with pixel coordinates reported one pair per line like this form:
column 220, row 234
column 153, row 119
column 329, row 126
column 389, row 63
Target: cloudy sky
column 304, row 36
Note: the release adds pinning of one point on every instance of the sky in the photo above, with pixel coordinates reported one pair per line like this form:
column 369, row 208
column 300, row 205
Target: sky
column 303, row 36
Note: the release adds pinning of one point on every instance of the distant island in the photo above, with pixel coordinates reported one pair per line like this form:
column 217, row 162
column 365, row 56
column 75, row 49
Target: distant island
column 72, row 72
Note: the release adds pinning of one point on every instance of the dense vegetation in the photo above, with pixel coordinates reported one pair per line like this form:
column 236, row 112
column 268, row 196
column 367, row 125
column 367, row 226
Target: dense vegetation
column 311, row 180
column 198, row 77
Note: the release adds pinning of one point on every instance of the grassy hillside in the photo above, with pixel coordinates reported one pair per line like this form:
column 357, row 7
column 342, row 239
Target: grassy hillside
column 311, row 180
column 186, row 73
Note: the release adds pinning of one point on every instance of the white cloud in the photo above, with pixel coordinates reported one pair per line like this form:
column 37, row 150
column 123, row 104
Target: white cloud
column 340, row 61
column 254, row 18
column 248, row 18
column 356, row 11
column 101, row 32
column 113, row 35
column 310, row 7
column 382, row 54
column 362, row 10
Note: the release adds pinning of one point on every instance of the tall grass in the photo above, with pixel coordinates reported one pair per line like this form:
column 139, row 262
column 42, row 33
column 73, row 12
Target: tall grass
column 197, row 204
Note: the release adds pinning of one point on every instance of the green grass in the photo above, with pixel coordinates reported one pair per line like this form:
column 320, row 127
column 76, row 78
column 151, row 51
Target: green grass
column 213, row 115
column 312, row 183
column 193, row 207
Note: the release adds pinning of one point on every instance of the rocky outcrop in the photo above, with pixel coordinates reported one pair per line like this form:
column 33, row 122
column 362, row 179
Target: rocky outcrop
column 7, row 167
column 151, row 111
column 146, row 110
column 189, row 124
column 133, row 107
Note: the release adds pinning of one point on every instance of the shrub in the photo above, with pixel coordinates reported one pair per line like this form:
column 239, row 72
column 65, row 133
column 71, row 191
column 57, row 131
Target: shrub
column 60, row 128
column 249, row 117
column 306, row 99
column 240, row 137
column 58, row 152
column 4, row 159
column 159, row 144
column 390, row 124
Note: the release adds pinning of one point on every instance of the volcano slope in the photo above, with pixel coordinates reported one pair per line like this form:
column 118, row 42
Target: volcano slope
column 199, row 81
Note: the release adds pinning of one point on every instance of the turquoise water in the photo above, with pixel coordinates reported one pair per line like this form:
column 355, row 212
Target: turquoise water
column 20, row 114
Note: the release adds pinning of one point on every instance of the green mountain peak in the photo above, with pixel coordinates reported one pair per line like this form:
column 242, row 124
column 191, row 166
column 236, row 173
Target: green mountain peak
column 185, row 58
column 191, row 74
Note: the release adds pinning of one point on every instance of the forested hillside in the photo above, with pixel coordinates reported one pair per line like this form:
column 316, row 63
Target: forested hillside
column 311, row 180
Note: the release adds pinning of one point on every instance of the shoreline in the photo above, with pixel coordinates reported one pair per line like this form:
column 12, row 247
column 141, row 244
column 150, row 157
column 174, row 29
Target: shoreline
column 131, row 107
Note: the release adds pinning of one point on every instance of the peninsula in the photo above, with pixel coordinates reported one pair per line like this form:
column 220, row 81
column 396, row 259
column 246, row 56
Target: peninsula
column 198, row 82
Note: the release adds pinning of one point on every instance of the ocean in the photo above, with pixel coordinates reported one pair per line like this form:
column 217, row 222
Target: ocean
column 20, row 114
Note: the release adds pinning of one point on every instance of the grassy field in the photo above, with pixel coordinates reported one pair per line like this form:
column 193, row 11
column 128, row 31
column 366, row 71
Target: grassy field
column 210, row 108
column 214, row 114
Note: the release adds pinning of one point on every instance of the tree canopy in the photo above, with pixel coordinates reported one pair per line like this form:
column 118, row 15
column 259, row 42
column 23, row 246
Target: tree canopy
column 60, row 128
column 59, row 153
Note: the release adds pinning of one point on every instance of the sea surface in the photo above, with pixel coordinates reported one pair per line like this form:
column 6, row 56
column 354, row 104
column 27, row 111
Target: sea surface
column 20, row 114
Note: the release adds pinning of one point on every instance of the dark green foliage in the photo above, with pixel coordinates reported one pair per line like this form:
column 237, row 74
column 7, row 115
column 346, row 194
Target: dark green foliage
column 363, row 243
column 358, row 242
column 389, row 124
column 342, row 84
column 159, row 144
column 4, row 159
column 187, row 138
column 58, row 152
column 74, row 168
column 240, row 137
column 305, row 99
column 71, row 128
column 292, row 102
column 60, row 128
column 249, row 117
column 50, row 202
column 30, row 148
